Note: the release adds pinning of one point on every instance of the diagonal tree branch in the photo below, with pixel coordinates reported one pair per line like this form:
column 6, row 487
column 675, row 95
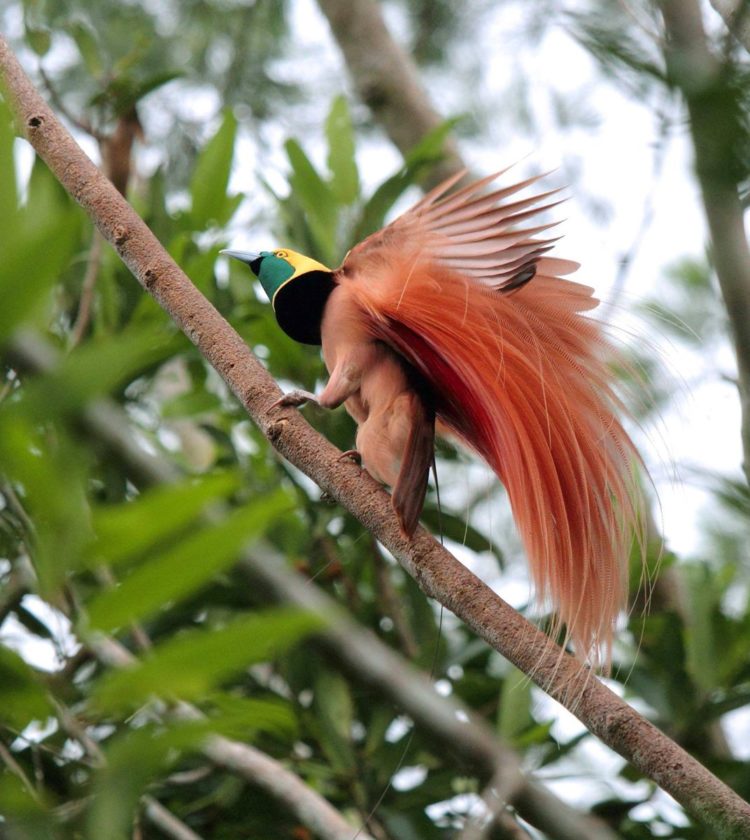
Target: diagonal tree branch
column 253, row 765
column 445, row 718
column 436, row 571
column 699, row 76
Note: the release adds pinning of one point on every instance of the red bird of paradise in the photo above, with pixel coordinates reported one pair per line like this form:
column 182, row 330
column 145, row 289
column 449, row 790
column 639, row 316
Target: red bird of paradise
column 454, row 314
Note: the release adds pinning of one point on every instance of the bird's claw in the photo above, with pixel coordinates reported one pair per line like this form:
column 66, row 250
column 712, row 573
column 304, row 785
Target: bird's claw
column 352, row 455
column 294, row 399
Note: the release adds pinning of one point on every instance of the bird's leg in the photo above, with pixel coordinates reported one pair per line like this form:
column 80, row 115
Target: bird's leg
column 295, row 398
column 344, row 382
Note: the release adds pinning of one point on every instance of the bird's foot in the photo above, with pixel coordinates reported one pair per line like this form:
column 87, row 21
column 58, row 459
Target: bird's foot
column 352, row 455
column 295, row 398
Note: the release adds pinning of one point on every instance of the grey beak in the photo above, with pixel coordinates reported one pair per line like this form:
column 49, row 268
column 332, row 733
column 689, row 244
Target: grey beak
column 244, row 256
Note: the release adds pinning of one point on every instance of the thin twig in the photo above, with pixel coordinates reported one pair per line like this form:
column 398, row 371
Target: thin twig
column 7, row 756
column 56, row 99
column 88, row 287
column 165, row 820
column 77, row 730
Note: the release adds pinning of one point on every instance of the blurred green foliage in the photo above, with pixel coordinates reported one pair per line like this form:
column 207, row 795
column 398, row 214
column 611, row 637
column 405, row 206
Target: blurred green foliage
column 91, row 545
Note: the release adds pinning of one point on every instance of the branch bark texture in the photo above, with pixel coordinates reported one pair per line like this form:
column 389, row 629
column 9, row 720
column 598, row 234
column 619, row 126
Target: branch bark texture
column 698, row 74
column 436, row 571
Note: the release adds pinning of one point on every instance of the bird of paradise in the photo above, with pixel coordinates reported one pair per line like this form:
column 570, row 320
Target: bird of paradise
column 455, row 315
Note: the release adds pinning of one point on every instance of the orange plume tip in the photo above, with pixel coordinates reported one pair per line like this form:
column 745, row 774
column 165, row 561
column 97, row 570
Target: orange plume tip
column 523, row 380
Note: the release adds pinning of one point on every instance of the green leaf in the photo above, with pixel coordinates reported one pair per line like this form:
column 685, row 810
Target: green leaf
column 97, row 367
column 316, row 199
column 514, row 713
column 192, row 404
column 132, row 761
column 237, row 717
column 8, row 192
column 49, row 470
column 208, row 187
column 335, row 712
column 700, row 643
column 85, row 39
column 342, row 162
column 33, row 256
column 426, row 153
column 182, row 569
column 39, row 39
column 127, row 530
column 431, row 147
column 25, row 818
column 140, row 90
column 22, row 698
column 192, row 663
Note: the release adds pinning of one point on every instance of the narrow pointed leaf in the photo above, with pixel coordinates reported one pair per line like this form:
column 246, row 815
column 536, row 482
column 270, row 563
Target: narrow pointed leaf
column 182, row 569
column 208, row 187
column 342, row 163
column 191, row 664
column 127, row 530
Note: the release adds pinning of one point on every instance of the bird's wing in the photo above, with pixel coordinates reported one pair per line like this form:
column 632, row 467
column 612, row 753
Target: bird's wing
column 488, row 236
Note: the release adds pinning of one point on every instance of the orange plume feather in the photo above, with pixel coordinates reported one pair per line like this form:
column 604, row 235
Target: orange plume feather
column 523, row 379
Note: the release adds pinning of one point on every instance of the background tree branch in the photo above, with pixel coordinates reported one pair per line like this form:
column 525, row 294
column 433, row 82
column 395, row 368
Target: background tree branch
column 700, row 77
column 736, row 17
column 386, row 79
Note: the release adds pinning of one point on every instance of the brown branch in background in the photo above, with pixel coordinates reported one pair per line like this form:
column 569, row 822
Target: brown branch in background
column 391, row 604
column 699, row 75
column 445, row 719
column 165, row 820
column 386, row 79
column 736, row 15
column 88, row 287
column 251, row 764
column 436, row 571
column 117, row 149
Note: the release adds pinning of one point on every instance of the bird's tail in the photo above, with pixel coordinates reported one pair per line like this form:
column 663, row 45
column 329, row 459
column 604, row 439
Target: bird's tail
column 524, row 379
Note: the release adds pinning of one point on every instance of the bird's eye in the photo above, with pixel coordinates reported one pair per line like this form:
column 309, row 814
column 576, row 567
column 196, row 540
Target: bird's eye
column 282, row 254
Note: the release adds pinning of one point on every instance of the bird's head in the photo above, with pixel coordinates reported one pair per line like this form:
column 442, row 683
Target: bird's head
column 297, row 286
